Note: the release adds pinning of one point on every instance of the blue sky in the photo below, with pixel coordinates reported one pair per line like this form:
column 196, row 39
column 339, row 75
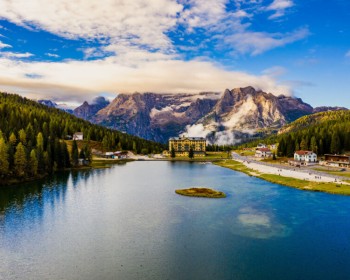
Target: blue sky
column 71, row 51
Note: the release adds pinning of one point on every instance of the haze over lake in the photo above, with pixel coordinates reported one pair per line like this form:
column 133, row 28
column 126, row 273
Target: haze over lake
column 126, row 222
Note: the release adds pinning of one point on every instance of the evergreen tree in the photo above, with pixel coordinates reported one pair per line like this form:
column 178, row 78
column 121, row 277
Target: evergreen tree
column 40, row 152
column 273, row 156
column 297, row 147
column 281, row 149
column 75, row 154
column 313, row 144
column 172, row 152
column 303, row 144
column 20, row 160
column 33, row 163
column 335, row 143
column 13, row 139
column 4, row 162
column 22, row 136
column 191, row 153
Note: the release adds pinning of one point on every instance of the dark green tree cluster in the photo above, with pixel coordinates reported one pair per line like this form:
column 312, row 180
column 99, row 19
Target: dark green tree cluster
column 323, row 133
column 31, row 138
column 22, row 157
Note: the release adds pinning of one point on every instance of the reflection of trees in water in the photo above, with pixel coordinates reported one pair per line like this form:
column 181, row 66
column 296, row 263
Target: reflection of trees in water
column 31, row 199
column 47, row 189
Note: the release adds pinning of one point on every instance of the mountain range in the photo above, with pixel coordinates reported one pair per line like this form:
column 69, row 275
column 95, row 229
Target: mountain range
column 223, row 118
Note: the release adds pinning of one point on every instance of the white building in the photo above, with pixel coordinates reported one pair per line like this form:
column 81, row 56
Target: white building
column 263, row 153
column 306, row 156
column 78, row 136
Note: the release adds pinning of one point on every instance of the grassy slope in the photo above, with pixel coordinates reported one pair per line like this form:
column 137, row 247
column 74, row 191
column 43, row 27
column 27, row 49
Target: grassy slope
column 287, row 181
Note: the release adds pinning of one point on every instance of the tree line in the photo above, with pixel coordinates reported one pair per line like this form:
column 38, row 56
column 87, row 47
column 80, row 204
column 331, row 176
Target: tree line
column 32, row 138
column 323, row 133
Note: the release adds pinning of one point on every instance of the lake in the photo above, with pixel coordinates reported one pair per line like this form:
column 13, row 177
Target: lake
column 126, row 222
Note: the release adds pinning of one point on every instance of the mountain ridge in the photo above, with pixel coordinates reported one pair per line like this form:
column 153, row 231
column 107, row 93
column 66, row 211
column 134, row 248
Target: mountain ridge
column 224, row 118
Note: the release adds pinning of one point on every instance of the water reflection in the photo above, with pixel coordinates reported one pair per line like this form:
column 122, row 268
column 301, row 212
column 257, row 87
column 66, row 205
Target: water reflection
column 126, row 222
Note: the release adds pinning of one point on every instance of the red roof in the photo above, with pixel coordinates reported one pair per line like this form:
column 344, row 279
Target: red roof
column 264, row 150
column 303, row 153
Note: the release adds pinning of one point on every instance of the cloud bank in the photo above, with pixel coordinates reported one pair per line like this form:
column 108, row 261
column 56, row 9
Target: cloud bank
column 133, row 50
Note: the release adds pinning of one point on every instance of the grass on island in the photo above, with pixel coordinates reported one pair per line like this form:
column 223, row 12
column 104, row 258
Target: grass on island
column 201, row 192
column 333, row 188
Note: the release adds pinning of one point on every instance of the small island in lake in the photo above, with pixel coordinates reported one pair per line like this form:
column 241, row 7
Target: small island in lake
column 201, row 192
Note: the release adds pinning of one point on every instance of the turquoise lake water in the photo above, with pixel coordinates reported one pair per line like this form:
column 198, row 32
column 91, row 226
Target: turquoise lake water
column 126, row 222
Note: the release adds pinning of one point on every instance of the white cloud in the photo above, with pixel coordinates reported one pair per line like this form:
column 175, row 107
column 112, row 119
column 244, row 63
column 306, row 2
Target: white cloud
column 152, row 72
column 279, row 7
column 52, row 55
column 141, row 22
column 258, row 42
column 3, row 45
column 15, row 55
column 135, row 52
column 203, row 13
column 347, row 54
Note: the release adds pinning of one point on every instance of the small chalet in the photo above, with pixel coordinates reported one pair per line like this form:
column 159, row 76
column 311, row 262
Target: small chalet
column 78, row 136
column 337, row 160
column 305, row 156
column 263, row 153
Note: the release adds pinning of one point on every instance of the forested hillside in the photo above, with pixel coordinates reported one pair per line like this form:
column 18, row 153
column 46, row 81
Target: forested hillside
column 326, row 132
column 31, row 138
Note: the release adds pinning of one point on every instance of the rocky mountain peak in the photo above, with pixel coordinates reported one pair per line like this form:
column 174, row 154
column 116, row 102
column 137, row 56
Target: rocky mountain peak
column 225, row 118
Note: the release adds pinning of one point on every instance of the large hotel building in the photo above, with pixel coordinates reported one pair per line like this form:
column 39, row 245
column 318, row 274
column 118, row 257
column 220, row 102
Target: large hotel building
column 182, row 146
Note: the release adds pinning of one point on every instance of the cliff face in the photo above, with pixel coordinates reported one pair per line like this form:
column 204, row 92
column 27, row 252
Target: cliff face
column 222, row 118
column 87, row 111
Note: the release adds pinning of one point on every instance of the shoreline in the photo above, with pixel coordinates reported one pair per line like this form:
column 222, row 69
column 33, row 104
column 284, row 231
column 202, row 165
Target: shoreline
column 290, row 178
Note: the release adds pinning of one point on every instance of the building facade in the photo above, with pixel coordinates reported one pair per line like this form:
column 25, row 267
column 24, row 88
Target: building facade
column 182, row 146
column 307, row 156
column 78, row 136
column 263, row 153
column 337, row 160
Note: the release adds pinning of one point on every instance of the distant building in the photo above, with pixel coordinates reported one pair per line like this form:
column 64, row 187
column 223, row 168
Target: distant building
column 307, row 156
column 182, row 146
column 337, row 160
column 273, row 147
column 261, row 145
column 116, row 155
column 263, row 153
column 78, row 136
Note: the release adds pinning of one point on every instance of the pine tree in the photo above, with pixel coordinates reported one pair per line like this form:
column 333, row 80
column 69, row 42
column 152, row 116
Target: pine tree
column 33, row 163
column 4, row 162
column 22, row 136
column 172, row 152
column 75, row 154
column 20, row 160
column 313, row 144
column 191, row 153
column 335, row 143
column 303, row 145
column 13, row 139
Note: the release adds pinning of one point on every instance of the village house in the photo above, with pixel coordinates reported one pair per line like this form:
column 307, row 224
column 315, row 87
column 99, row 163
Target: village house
column 78, row 136
column 182, row 146
column 304, row 158
column 307, row 156
column 263, row 153
column 337, row 160
column 116, row 155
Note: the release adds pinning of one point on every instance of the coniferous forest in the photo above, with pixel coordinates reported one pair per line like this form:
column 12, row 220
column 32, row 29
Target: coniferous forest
column 32, row 139
column 323, row 133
